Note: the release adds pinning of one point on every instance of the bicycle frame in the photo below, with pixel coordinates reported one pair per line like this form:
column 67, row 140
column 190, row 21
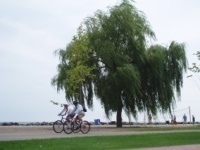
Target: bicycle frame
column 76, row 126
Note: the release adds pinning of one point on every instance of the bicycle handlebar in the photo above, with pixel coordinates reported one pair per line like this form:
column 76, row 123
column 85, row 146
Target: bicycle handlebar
column 61, row 115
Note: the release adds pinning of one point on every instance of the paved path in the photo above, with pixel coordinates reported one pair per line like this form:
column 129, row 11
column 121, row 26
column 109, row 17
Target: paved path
column 8, row 133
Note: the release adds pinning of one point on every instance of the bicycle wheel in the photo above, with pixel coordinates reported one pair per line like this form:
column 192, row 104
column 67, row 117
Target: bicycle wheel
column 85, row 127
column 58, row 126
column 76, row 127
column 67, row 127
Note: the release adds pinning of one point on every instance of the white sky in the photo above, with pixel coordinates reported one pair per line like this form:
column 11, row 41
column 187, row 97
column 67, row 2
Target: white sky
column 30, row 31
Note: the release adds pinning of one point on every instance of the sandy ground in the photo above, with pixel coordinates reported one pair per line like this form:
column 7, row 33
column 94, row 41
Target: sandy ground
column 8, row 133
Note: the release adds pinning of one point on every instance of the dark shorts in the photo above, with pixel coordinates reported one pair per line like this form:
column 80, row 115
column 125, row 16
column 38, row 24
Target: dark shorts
column 71, row 115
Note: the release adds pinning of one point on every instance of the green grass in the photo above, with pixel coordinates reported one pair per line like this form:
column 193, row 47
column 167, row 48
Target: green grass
column 105, row 142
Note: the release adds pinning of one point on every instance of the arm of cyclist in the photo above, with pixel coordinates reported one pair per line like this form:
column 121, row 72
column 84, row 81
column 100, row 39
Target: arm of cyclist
column 63, row 111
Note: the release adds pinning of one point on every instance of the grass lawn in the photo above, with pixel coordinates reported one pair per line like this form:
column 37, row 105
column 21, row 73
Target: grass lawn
column 105, row 142
column 162, row 128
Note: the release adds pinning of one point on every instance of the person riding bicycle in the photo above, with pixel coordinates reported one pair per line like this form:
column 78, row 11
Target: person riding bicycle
column 78, row 111
column 67, row 110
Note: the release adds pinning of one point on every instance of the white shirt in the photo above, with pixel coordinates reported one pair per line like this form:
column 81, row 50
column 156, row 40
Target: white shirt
column 68, row 110
column 78, row 110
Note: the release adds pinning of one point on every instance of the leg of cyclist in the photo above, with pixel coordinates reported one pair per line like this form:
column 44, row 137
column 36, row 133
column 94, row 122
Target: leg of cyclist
column 70, row 116
column 68, row 119
column 78, row 120
column 79, row 117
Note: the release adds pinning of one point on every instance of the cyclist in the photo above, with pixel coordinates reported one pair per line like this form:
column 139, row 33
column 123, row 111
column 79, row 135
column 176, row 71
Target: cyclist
column 78, row 111
column 67, row 110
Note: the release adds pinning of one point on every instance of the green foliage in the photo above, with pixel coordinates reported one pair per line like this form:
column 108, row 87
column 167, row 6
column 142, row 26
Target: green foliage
column 111, row 56
column 163, row 72
column 195, row 68
column 131, row 74
column 119, row 39
column 75, row 66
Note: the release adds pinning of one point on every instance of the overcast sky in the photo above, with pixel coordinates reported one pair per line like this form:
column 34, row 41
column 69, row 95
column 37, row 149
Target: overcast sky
column 30, row 31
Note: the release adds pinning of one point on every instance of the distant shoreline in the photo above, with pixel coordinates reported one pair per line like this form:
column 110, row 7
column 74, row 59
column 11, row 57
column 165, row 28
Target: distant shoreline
column 93, row 123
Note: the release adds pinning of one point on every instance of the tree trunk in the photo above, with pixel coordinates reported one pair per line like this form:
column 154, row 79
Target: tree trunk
column 81, row 99
column 119, row 114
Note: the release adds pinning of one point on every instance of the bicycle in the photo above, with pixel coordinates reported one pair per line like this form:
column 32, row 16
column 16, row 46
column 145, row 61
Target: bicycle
column 76, row 126
column 58, row 125
column 84, row 127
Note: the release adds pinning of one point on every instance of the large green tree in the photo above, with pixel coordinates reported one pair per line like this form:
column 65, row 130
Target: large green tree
column 133, row 76
column 119, row 40
column 125, row 71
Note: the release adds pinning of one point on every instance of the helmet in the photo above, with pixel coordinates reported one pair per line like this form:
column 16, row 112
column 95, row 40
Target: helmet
column 75, row 102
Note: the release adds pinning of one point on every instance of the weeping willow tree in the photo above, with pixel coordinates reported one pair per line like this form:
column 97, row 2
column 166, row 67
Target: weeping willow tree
column 74, row 70
column 118, row 65
column 119, row 40
column 161, row 75
column 133, row 76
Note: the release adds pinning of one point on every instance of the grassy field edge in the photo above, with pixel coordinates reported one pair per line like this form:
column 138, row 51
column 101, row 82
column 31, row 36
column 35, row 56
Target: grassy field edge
column 106, row 142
